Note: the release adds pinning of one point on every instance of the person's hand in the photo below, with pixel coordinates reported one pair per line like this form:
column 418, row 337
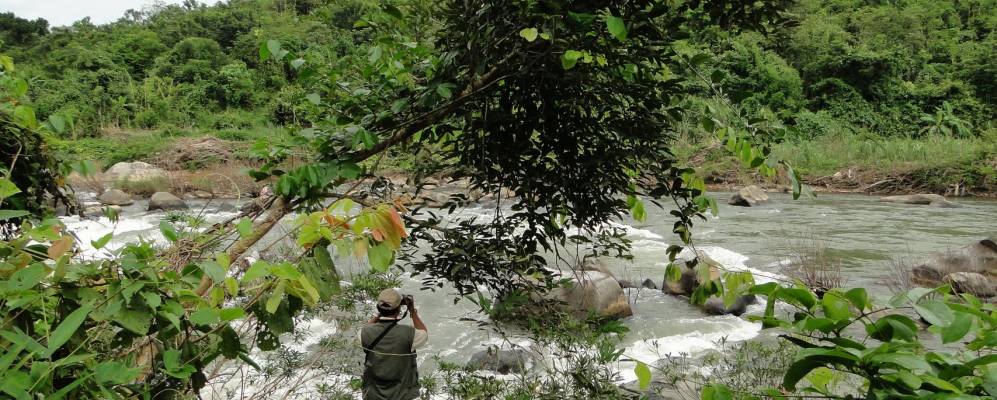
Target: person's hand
column 374, row 319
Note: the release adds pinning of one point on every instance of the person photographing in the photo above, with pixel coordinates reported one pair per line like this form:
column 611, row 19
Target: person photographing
column 390, row 370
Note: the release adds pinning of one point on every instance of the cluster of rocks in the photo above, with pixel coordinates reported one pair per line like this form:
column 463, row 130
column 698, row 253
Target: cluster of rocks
column 970, row 269
column 128, row 181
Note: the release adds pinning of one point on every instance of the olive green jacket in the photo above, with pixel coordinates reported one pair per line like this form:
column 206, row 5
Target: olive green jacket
column 390, row 371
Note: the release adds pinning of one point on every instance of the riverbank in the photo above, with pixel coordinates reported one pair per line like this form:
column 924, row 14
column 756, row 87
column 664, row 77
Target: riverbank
column 215, row 161
column 861, row 164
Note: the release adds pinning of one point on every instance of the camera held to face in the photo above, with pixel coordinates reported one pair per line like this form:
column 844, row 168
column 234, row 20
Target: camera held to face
column 408, row 300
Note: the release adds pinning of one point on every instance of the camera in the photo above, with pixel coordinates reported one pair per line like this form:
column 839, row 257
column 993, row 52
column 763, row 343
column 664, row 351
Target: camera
column 407, row 300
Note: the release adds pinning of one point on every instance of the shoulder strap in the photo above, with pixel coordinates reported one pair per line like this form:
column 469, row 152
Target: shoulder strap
column 377, row 340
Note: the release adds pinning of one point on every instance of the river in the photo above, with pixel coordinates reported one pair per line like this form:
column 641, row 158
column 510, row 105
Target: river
column 864, row 234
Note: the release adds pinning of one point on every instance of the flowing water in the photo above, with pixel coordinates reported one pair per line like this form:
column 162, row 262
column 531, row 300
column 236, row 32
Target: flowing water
column 862, row 232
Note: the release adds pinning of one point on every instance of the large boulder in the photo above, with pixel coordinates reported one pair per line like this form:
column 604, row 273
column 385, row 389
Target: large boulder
column 137, row 177
column 166, row 202
column 498, row 360
column 972, row 283
column 933, row 200
column 979, row 258
column 749, row 196
column 715, row 305
column 690, row 279
column 593, row 292
column 115, row 197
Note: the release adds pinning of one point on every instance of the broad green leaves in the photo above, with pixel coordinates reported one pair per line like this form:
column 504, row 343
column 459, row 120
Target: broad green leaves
column 570, row 58
column 897, row 361
column 530, row 34
column 616, row 27
column 643, row 375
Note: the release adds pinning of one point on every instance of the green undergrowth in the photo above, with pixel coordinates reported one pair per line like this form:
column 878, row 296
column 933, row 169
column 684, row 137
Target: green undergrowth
column 933, row 163
column 141, row 145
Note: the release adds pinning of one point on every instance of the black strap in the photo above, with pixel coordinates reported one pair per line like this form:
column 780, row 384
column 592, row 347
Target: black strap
column 377, row 340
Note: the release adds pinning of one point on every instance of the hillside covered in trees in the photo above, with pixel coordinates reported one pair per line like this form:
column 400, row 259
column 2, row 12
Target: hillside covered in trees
column 843, row 73
column 529, row 171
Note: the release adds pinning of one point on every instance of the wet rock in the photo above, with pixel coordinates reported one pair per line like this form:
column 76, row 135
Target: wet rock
column 99, row 211
column 972, row 269
column 972, row 283
column 595, row 292
column 166, row 202
column 933, row 200
column 715, row 305
column 137, row 177
column 749, row 196
column 979, row 257
column 648, row 284
column 498, row 360
column 690, row 280
column 115, row 197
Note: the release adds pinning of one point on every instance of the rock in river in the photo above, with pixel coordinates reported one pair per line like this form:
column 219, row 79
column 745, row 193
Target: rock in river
column 748, row 196
column 137, row 176
column 115, row 197
column 498, row 360
column 972, row 283
column 166, row 202
column 596, row 292
column 920, row 199
column 979, row 258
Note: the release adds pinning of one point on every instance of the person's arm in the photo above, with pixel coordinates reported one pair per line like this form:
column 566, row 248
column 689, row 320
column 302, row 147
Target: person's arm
column 421, row 333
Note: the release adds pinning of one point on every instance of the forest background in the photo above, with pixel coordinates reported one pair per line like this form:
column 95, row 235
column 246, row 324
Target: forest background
column 877, row 95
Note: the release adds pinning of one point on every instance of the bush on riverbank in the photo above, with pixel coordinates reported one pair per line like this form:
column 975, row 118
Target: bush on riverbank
column 847, row 161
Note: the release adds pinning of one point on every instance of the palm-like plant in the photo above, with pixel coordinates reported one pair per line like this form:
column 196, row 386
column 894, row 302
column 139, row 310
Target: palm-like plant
column 945, row 122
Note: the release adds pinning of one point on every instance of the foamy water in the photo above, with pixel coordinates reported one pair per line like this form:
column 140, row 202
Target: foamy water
column 663, row 326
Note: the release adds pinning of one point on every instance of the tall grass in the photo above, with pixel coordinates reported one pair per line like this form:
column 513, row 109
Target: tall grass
column 828, row 154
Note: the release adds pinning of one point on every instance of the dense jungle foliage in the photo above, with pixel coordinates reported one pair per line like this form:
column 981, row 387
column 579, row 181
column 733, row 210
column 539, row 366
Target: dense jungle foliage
column 900, row 68
column 574, row 105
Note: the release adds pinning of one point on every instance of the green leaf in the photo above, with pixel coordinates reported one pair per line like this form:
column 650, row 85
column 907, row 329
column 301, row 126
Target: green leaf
column 100, row 243
column 275, row 298
column 297, row 63
column 380, row 257
column 314, row 98
column 935, row 312
column 716, row 391
column 57, row 123
column 673, row 273
column 911, row 362
column 257, row 270
column 245, row 227
column 137, row 321
column 67, row 328
column 205, row 316
column 7, row 188
column 393, row 11
column 958, row 329
column 230, row 314
column 115, row 372
column 616, row 27
column 171, row 360
column 9, row 214
column 169, row 232
column 444, row 90
column 570, row 58
column 859, row 298
column 213, row 270
column 835, row 306
column 643, row 375
column 530, row 34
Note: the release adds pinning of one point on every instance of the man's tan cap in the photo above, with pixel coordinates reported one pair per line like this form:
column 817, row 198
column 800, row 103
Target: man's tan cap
column 389, row 299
